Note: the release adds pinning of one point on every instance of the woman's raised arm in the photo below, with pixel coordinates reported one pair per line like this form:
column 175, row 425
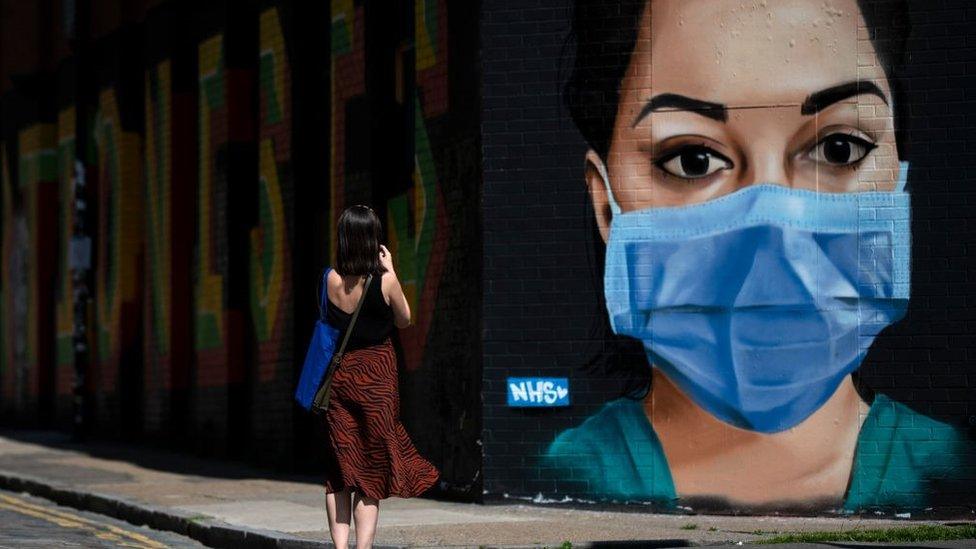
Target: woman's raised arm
column 392, row 289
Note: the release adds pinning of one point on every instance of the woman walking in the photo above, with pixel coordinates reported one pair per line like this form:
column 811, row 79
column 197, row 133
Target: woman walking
column 372, row 455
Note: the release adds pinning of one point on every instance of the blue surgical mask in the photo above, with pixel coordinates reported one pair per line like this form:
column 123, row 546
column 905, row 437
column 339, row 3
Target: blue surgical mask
column 758, row 304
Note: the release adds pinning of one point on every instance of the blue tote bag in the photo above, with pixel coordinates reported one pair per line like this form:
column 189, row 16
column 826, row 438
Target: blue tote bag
column 320, row 359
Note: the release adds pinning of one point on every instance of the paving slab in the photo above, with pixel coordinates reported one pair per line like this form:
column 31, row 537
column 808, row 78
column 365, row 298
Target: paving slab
column 224, row 504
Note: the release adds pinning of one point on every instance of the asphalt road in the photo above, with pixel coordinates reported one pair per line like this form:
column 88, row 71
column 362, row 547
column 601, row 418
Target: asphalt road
column 29, row 522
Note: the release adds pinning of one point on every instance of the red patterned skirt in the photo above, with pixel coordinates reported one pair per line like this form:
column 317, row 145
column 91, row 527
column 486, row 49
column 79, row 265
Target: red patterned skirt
column 372, row 452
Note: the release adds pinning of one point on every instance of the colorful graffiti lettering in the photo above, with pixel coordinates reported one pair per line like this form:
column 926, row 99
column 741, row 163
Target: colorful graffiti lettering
column 120, row 228
column 37, row 173
column 158, row 100
column 209, row 294
column 417, row 224
column 65, row 300
column 417, row 246
column 348, row 80
column 429, row 24
column 270, row 254
column 540, row 392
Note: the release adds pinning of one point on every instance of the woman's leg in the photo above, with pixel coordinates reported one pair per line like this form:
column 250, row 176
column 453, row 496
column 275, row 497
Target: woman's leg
column 339, row 509
column 367, row 512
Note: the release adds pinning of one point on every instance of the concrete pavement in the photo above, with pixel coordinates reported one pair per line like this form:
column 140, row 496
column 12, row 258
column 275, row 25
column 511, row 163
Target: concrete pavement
column 225, row 504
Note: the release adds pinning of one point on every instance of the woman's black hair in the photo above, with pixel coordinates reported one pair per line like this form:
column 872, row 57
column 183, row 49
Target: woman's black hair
column 358, row 252
column 604, row 34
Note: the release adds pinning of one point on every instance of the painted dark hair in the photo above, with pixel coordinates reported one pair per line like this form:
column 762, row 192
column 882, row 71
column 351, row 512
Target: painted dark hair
column 604, row 34
column 358, row 252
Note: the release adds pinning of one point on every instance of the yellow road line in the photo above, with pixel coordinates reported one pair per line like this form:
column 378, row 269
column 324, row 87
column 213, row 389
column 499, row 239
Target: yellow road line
column 65, row 523
column 76, row 518
column 71, row 520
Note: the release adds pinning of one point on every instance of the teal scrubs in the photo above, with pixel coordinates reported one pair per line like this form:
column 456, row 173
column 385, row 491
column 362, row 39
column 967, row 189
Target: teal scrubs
column 901, row 458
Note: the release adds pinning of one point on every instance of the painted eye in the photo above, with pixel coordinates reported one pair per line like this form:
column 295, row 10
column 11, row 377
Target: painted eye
column 840, row 149
column 693, row 162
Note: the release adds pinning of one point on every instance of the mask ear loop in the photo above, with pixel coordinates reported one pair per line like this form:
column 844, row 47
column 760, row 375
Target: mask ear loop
column 614, row 207
column 902, row 176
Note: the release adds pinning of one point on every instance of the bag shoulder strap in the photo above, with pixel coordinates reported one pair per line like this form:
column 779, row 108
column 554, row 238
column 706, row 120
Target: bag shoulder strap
column 355, row 315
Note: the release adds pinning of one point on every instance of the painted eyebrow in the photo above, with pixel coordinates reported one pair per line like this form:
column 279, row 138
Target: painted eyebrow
column 813, row 104
column 822, row 99
column 715, row 111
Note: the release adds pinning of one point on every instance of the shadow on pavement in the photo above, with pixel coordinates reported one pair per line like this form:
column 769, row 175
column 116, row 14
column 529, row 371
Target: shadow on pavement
column 155, row 457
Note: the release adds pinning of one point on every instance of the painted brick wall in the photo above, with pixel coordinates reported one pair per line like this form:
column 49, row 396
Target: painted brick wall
column 14, row 295
column 272, row 240
column 447, row 316
column 29, row 272
column 159, row 249
column 542, row 287
column 404, row 140
column 539, row 299
column 925, row 361
column 211, row 323
column 64, row 309
column 935, row 372
column 38, row 185
column 119, row 265
column 170, row 171
column 192, row 317
column 209, row 159
column 225, row 138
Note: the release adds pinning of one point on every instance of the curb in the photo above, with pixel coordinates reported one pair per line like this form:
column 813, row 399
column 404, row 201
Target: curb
column 209, row 532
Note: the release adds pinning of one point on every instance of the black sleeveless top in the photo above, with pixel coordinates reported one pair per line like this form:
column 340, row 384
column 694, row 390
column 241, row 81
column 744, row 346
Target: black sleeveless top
column 375, row 322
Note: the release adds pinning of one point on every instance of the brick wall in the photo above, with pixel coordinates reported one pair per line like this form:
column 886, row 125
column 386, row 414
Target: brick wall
column 405, row 141
column 37, row 175
column 13, row 365
column 170, row 174
column 539, row 299
column 221, row 147
column 206, row 132
column 29, row 210
column 271, row 246
column 543, row 258
column 442, row 349
column 64, row 309
column 158, row 181
column 116, row 144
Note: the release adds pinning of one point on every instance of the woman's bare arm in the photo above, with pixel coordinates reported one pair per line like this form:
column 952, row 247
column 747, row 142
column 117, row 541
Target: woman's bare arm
column 393, row 290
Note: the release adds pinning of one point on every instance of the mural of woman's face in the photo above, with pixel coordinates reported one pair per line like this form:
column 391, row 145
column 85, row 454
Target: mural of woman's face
column 722, row 94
